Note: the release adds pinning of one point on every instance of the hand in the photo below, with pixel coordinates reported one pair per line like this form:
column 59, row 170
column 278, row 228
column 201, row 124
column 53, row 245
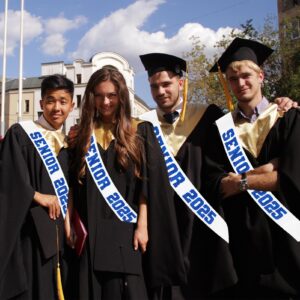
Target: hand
column 271, row 166
column 230, row 185
column 49, row 201
column 140, row 238
column 69, row 232
column 285, row 103
column 73, row 132
column 274, row 163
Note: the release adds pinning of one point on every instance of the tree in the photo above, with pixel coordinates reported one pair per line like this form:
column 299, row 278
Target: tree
column 197, row 72
column 280, row 78
column 289, row 83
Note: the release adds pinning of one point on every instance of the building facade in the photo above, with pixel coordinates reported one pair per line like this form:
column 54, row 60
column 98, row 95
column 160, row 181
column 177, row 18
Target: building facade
column 79, row 72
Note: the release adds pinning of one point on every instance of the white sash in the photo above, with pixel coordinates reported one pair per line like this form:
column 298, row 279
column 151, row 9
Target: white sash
column 240, row 163
column 183, row 186
column 51, row 163
column 106, row 186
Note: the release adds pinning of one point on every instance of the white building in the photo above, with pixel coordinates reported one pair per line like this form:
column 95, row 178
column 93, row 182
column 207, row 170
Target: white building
column 79, row 72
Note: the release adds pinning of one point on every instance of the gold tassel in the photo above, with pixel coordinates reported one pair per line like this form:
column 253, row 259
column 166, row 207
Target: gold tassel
column 60, row 292
column 185, row 96
column 229, row 102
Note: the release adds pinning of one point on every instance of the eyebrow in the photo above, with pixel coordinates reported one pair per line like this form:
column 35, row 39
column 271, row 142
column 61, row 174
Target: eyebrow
column 161, row 83
column 240, row 75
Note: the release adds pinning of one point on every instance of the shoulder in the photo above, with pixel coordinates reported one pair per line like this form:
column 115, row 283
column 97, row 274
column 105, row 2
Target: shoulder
column 15, row 129
column 215, row 108
column 206, row 115
column 204, row 110
column 140, row 124
column 141, row 127
column 15, row 140
column 293, row 113
column 292, row 117
column 16, row 132
column 214, row 112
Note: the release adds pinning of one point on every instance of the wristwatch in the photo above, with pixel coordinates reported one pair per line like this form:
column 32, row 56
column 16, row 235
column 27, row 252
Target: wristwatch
column 243, row 183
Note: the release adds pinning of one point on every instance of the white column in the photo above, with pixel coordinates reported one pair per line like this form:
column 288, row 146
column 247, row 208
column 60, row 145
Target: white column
column 4, row 71
column 21, row 64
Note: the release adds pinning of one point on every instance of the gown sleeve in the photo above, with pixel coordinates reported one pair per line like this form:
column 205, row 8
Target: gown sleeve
column 163, row 259
column 289, row 162
column 16, row 195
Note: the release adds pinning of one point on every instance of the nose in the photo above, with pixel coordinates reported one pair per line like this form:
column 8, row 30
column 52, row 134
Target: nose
column 160, row 91
column 106, row 100
column 57, row 105
column 241, row 81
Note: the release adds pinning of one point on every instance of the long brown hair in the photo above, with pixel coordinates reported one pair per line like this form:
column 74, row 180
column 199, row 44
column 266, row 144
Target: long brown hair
column 127, row 143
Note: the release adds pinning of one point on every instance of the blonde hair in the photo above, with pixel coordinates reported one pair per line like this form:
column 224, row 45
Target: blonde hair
column 236, row 65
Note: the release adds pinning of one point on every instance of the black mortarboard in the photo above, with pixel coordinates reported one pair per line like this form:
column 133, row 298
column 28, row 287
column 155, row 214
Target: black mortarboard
column 242, row 49
column 156, row 62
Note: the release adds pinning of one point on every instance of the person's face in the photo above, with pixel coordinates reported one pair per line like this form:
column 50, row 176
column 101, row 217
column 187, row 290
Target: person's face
column 165, row 89
column 56, row 105
column 245, row 83
column 106, row 100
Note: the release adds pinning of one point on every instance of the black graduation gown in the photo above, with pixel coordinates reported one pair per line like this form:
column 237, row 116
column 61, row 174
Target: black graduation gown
column 207, row 260
column 27, row 234
column 265, row 257
column 109, row 251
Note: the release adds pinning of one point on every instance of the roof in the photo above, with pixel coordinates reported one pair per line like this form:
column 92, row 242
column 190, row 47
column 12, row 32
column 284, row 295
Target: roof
column 28, row 83
column 139, row 99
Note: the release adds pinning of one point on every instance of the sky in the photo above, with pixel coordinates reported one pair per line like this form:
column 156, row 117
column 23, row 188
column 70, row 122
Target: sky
column 56, row 30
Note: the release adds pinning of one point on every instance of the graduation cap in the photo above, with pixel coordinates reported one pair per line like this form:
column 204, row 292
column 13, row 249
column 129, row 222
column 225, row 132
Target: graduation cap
column 158, row 62
column 239, row 49
column 242, row 49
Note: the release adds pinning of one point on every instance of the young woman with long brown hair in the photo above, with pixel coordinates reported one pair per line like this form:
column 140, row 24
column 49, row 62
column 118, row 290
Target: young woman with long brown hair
column 110, row 265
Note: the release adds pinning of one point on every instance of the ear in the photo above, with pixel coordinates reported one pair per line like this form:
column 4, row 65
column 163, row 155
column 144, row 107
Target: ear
column 181, row 82
column 261, row 77
column 42, row 104
column 72, row 106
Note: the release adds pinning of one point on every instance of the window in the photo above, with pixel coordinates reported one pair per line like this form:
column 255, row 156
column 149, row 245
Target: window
column 78, row 100
column 78, row 78
column 27, row 106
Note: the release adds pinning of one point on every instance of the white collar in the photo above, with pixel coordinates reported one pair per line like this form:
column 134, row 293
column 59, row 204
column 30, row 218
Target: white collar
column 43, row 122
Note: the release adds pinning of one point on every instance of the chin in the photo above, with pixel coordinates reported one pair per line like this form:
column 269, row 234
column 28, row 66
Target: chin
column 166, row 105
column 57, row 124
column 245, row 98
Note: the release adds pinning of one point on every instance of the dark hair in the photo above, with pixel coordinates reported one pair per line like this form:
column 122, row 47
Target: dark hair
column 127, row 143
column 57, row 82
column 110, row 67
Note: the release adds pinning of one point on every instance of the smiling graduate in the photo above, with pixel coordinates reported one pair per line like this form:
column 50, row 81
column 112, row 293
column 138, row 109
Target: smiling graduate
column 31, row 222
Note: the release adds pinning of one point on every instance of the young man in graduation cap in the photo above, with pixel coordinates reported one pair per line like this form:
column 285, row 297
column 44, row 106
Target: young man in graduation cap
column 255, row 177
column 32, row 200
column 186, row 128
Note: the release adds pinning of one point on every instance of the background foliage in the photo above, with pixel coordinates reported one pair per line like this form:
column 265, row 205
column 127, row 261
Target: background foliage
column 282, row 69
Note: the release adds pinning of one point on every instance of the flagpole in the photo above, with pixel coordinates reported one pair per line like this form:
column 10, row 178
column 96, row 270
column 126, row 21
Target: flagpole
column 21, row 63
column 4, row 70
